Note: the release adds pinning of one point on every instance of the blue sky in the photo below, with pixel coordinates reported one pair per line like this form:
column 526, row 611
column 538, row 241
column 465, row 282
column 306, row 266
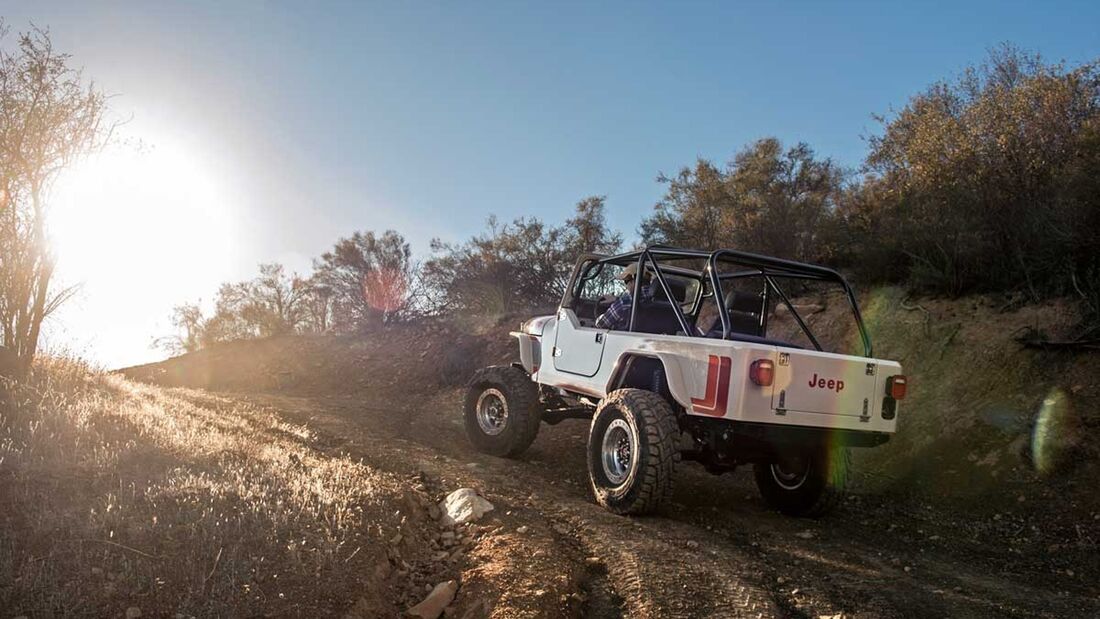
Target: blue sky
column 427, row 117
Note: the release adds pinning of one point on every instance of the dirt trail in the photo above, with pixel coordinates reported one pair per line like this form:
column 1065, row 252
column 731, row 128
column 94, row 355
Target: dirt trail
column 716, row 550
column 948, row 518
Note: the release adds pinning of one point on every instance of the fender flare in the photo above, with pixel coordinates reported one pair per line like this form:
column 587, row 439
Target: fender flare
column 673, row 368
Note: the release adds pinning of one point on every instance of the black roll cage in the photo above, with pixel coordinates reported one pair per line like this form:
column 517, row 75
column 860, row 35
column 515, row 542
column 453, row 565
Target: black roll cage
column 756, row 266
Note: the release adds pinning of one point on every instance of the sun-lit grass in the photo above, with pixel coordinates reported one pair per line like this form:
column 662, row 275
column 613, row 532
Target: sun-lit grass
column 116, row 494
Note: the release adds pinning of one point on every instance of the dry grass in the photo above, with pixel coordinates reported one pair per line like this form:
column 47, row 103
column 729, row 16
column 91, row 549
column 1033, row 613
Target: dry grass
column 115, row 494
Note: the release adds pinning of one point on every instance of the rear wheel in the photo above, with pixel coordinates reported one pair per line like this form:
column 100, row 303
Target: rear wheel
column 632, row 451
column 502, row 412
column 809, row 483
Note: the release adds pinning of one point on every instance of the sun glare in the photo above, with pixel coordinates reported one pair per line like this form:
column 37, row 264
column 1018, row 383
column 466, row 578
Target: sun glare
column 140, row 230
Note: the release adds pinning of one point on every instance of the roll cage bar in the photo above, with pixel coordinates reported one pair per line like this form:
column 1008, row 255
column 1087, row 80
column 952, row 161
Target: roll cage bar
column 756, row 266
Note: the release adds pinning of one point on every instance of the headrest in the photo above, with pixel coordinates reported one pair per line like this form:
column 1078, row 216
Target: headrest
column 743, row 302
column 678, row 289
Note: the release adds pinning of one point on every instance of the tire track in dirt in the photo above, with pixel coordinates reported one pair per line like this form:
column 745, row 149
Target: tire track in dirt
column 653, row 572
column 712, row 554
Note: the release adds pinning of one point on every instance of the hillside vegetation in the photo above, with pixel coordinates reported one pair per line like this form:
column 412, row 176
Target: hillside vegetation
column 985, row 416
column 116, row 495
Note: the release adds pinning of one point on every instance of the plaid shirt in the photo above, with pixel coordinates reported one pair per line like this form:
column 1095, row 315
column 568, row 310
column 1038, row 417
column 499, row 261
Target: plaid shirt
column 617, row 317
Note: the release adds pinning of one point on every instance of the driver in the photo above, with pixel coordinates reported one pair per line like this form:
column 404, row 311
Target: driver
column 617, row 317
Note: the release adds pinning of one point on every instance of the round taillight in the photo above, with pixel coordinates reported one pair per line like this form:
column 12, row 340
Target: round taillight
column 762, row 372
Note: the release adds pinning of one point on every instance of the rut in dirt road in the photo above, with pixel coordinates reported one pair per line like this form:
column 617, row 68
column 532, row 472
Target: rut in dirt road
column 715, row 552
column 631, row 569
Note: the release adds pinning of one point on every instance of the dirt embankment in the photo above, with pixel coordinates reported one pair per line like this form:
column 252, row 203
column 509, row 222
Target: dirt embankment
column 981, row 506
column 986, row 419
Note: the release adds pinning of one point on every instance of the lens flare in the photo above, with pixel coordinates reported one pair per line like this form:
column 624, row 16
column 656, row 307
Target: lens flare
column 1055, row 433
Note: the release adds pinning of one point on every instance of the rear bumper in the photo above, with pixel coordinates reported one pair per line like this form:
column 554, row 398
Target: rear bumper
column 789, row 435
column 752, row 435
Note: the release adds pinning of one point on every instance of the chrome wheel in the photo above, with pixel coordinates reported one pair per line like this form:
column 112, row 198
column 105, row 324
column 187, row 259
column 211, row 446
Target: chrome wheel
column 492, row 412
column 617, row 452
column 792, row 474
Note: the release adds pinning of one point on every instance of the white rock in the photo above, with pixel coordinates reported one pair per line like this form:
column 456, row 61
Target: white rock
column 432, row 606
column 462, row 506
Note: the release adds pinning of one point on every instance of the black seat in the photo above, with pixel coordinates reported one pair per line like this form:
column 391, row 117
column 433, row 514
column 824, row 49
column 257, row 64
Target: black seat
column 657, row 315
column 677, row 287
column 744, row 312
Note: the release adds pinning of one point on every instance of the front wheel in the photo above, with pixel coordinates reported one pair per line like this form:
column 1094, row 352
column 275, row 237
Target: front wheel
column 633, row 451
column 810, row 483
column 502, row 412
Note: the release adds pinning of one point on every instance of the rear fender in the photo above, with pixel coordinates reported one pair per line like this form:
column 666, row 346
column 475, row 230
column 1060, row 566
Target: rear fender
column 672, row 365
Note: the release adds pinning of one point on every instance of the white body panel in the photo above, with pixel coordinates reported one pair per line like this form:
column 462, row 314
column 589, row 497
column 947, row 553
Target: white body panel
column 710, row 377
column 578, row 351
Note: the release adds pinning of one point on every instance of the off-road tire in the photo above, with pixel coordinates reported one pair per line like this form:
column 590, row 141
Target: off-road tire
column 524, row 414
column 654, row 430
column 822, row 489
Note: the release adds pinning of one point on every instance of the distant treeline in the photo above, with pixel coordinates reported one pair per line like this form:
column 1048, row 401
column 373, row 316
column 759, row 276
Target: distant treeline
column 986, row 183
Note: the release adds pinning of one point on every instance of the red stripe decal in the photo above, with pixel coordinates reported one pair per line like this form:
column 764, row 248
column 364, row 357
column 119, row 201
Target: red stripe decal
column 715, row 401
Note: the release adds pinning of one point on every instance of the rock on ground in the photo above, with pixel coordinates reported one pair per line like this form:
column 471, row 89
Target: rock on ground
column 432, row 606
column 462, row 506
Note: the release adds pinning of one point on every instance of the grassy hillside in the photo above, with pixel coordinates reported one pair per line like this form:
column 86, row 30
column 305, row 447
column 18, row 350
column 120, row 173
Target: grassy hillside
column 116, row 495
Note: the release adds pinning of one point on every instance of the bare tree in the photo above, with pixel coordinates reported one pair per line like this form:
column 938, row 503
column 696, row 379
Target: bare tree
column 317, row 304
column 276, row 300
column 189, row 323
column 48, row 118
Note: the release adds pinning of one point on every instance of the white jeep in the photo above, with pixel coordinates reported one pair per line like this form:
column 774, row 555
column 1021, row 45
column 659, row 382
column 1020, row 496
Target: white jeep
column 691, row 374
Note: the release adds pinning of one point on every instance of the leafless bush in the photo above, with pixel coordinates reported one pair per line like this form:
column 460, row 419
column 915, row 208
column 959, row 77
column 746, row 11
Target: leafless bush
column 49, row 117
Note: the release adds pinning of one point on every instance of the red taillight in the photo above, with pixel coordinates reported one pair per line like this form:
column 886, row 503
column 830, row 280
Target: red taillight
column 762, row 372
column 895, row 387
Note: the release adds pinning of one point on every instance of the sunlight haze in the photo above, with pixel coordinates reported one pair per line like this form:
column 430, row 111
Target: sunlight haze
column 564, row 309
column 269, row 130
column 125, row 225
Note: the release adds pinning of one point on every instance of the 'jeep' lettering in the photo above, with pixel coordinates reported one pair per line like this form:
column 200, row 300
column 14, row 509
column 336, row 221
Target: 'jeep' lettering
column 832, row 384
